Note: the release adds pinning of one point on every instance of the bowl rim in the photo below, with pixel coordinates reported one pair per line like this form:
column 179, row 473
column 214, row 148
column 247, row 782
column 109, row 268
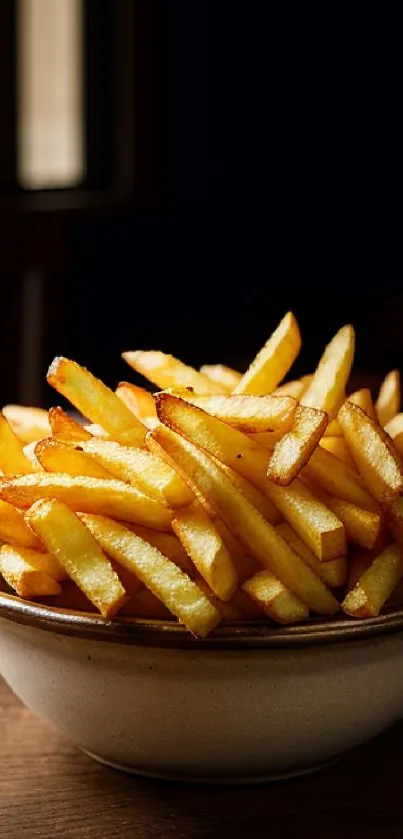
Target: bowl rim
column 165, row 634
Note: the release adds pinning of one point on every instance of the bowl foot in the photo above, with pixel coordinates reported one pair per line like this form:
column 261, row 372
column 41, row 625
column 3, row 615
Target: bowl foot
column 211, row 779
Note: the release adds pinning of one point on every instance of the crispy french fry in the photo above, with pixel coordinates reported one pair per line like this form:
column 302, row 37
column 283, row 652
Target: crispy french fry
column 316, row 525
column 295, row 388
column 274, row 360
column 388, row 402
column 275, row 599
column 375, row 585
column 363, row 527
column 28, row 424
column 167, row 371
column 58, row 456
column 225, row 377
column 248, row 609
column 65, row 427
column 247, row 413
column 332, row 475
column 293, row 451
column 176, row 591
column 14, row 530
column 142, row 469
column 340, row 449
column 363, row 399
column 91, row 495
column 333, row 429
column 254, row 496
column 44, row 562
column 395, row 430
column 12, row 457
column 203, row 543
column 267, row 439
column 326, row 390
column 68, row 539
column 167, row 544
column 332, row 574
column 139, row 400
column 359, row 563
column 23, row 576
column 374, row 453
column 96, row 401
column 258, row 537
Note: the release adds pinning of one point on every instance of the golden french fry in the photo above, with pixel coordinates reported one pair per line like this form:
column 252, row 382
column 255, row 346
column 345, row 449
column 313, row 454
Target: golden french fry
column 44, row 562
column 363, row 399
column 58, row 456
column 340, row 449
column 326, row 390
column 178, row 593
column 23, row 576
column 139, row 400
column 274, row 360
column 68, row 539
column 248, row 609
column 294, row 388
column 91, row 495
column 332, row 475
column 167, row 371
column 12, row 457
column 247, row 413
column 332, row 574
column 258, row 537
column 316, row 525
column 206, row 548
column 267, row 439
column 293, row 451
column 14, row 530
column 28, row 424
column 395, row 430
column 374, row 453
column 96, row 401
column 359, row 563
column 333, row 429
column 254, row 496
column 363, row 527
column 275, row 599
column 388, row 402
column 375, row 585
column 225, row 377
column 142, row 469
column 65, row 427
column 167, row 544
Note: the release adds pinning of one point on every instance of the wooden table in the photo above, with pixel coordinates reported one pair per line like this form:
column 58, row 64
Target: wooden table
column 48, row 788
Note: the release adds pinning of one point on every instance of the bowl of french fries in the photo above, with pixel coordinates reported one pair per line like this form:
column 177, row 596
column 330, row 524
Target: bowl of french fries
column 202, row 579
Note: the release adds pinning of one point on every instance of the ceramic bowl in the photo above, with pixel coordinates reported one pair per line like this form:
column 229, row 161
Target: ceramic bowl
column 250, row 703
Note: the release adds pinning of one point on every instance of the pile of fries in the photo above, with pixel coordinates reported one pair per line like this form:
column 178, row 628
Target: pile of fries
column 222, row 497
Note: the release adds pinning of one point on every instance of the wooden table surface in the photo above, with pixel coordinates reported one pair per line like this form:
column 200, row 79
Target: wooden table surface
column 48, row 788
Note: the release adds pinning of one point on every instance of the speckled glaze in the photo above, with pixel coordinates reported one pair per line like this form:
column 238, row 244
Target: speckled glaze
column 250, row 703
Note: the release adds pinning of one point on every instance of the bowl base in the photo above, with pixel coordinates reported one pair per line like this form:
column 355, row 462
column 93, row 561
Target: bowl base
column 211, row 779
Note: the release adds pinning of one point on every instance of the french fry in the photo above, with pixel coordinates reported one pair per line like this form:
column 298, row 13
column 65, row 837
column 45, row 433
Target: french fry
column 12, row 457
column 395, row 430
column 332, row 574
column 68, row 539
column 359, row 563
column 333, row 429
column 275, row 599
column 167, row 371
column 28, row 424
column 293, row 451
column 178, row 593
column 14, row 530
column 65, row 427
column 274, row 360
column 225, row 377
column 203, row 543
column 167, row 544
column 96, row 401
column 388, row 402
column 258, row 537
column 326, row 390
column 254, row 496
column 340, row 449
column 247, row 608
column 375, row 585
column 267, row 439
column 140, row 468
column 363, row 399
column 363, row 527
column 139, row 400
column 29, row 452
column 316, row 525
column 247, row 413
column 23, row 576
column 58, row 456
column 41, row 561
column 374, row 453
column 92, row 495
column 294, row 388
column 228, row 610
column 332, row 475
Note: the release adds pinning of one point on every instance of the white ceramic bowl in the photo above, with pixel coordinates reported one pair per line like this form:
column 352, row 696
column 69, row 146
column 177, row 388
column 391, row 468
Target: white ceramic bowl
column 249, row 703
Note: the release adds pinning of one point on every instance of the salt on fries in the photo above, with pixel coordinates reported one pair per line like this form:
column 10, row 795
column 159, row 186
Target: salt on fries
column 225, row 497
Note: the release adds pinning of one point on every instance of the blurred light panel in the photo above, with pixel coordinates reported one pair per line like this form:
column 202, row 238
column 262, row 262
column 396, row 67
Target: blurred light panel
column 50, row 93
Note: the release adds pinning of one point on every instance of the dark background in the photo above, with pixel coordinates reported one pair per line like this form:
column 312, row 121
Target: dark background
column 242, row 161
